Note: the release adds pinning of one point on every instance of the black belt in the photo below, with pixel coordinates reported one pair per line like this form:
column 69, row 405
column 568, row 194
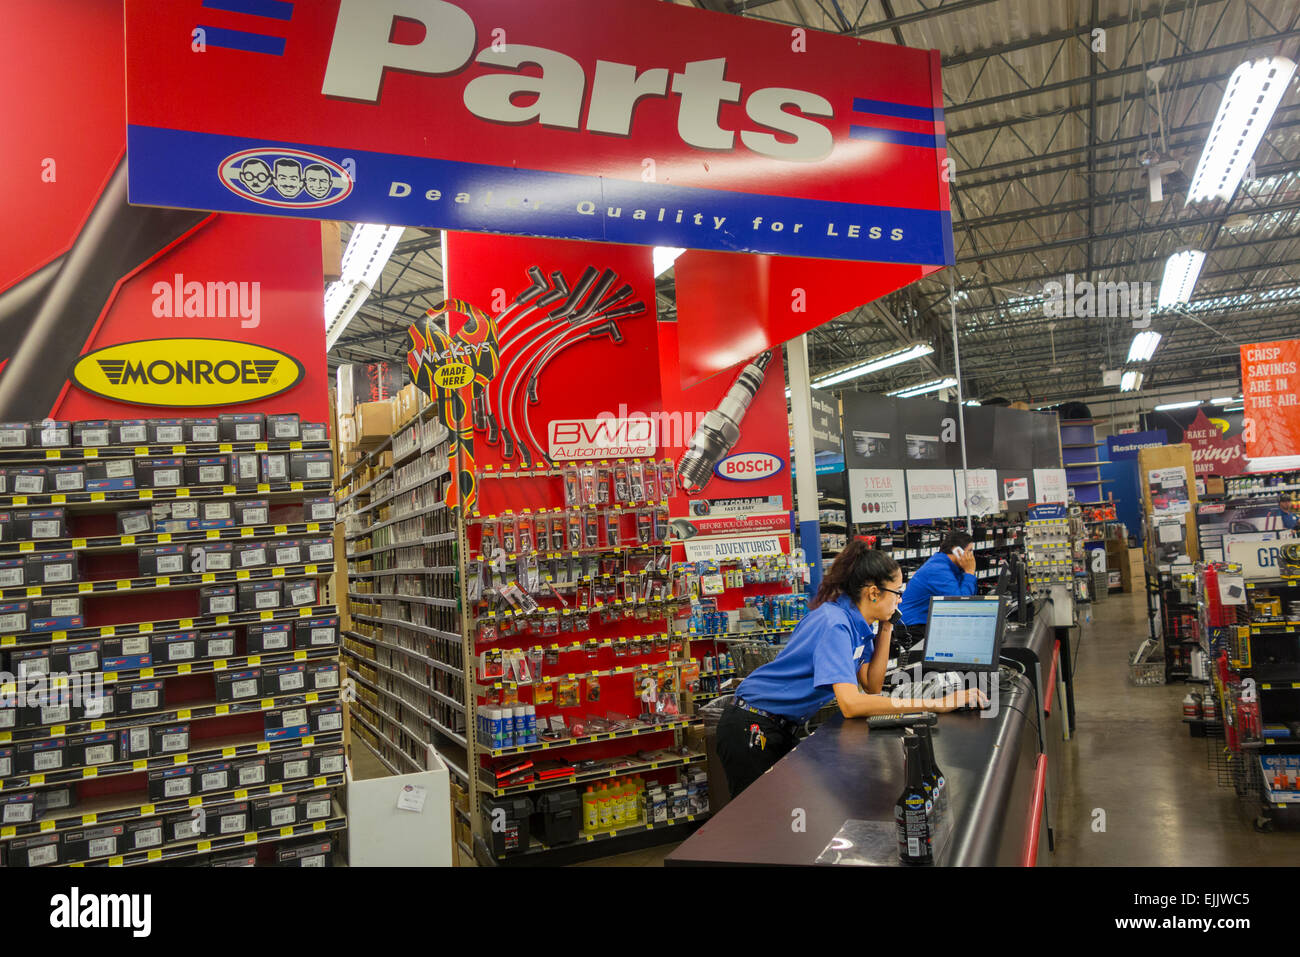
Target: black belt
column 793, row 727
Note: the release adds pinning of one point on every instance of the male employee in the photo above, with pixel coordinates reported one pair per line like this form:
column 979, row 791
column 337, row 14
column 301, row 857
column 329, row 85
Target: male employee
column 949, row 571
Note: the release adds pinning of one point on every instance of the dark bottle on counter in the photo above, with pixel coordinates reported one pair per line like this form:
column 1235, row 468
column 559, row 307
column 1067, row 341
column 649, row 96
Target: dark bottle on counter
column 910, row 815
column 934, row 778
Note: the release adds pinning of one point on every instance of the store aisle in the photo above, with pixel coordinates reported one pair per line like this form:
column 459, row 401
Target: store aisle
column 1133, row 758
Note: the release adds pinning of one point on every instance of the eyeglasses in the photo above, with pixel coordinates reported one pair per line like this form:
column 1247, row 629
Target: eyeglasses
column 892, row 592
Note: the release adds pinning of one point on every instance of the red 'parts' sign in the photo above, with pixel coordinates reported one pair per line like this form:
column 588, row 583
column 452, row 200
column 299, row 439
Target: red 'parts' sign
column 635, row 122
column 1270, row 381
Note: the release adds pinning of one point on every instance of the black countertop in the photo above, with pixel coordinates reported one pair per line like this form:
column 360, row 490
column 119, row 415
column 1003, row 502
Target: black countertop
column 848, row 772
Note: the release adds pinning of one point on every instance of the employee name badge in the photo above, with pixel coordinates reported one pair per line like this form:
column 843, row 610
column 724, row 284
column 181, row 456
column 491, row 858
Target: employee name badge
column 412, row 798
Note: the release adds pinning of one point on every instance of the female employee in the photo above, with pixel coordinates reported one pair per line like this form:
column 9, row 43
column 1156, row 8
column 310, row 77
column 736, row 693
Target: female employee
column 843, row 643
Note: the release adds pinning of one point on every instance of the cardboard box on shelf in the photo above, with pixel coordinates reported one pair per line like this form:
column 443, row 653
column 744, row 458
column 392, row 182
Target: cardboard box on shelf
column 1131, row 571
column 374, row 423
column 409, row 403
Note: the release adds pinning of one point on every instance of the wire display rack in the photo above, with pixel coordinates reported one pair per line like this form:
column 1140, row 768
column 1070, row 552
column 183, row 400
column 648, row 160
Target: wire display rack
column 749, row 653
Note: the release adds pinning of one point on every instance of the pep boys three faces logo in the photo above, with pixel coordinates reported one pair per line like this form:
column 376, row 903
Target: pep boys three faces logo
column 286, row 178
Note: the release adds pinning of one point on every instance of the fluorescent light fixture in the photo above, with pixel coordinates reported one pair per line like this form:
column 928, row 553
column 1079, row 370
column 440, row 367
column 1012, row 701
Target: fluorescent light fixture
column 1235, row 408
column 664, row 257
column 974, row 402
column 1181, row 271
column 1224, row 401
column 1130, row 381
column 1168, row 406
column 874, row 364
column 933, row 386
column 369, row 248
column 1252, row 95
column 1144, row 346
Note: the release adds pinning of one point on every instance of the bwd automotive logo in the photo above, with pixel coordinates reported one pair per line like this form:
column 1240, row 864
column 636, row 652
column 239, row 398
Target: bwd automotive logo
column 187, row 372
column 749, row 466
column 285, row 178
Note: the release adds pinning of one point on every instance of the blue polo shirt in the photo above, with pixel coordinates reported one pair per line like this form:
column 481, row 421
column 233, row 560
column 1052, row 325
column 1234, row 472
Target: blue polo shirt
column 940, row 575
column 827, row 648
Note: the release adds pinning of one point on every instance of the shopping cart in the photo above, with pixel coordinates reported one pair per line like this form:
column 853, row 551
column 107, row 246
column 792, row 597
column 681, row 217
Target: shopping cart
column 749, row 653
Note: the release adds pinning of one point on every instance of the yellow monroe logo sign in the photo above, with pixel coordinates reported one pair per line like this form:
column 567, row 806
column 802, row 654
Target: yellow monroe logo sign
column 187, row 372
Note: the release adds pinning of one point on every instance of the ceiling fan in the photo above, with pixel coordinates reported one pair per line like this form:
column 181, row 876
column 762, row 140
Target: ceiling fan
column 1164, row 170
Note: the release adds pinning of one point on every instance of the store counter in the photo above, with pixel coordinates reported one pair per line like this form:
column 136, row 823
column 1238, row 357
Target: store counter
column 840, row 785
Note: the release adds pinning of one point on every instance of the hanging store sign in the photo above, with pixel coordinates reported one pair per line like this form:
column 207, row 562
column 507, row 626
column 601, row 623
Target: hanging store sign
column 931, row 493
column 1270, row 381
column 651, row 124
column 1050, row 485
column 877, row 495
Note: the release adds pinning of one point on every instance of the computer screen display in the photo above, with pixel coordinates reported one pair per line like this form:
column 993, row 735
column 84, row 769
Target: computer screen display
column 964, row 633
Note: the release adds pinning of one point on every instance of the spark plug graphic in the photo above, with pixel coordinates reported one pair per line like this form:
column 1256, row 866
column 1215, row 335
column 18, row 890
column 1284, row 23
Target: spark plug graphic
column 720, row 429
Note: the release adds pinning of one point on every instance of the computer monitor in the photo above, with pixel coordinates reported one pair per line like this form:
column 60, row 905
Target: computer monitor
column 964, row 633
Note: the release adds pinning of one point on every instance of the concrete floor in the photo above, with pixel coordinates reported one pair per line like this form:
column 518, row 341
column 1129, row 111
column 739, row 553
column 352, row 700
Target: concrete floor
column 1131, row 757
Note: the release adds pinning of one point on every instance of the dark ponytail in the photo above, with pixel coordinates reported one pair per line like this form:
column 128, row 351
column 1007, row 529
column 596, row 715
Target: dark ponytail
column 853, row 569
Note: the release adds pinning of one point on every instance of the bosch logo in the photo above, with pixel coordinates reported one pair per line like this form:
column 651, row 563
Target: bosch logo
column 749, row 466
column 284, row 178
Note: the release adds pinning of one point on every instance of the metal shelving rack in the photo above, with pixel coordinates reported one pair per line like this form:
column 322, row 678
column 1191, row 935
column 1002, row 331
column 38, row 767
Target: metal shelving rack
column 394, row 662
column 1259, row 690
column 112, row 807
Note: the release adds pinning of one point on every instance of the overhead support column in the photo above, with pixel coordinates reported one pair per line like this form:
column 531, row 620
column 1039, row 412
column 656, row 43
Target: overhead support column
column 805, row 464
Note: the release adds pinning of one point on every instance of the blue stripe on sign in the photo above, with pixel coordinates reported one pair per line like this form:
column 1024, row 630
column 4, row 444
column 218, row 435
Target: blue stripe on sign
column 179, row 168
column 901, row 110
column 276, row 9
column 242, row 40
column 898, row 137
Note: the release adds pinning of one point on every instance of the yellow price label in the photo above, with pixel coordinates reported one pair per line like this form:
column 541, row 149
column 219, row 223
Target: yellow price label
column 223, row 619
column 195, row 801
column 139, row 765
column 180, row 759
column 275, row 789
column 300, row 656
column 146, row 810
column 115, row 862
column 318, row 782
column 318, row 826
column 286, row 832
column 275, row 573
column 262, row 748
column 208, row 578
column 34, row 592
column 184, row 669
column 146, row 494
column 163, row 582
column 7, row 832
column 146, row 672
column 227, row 490
column 308, row 741
column 37, row 779
column 205, row 845
column 58, row 499
column 29, row 546
column 83, row 587
column 222, row 709
column 267, row 615
column 250, row 838
column 47, row 826
column 20, row 499
column 263, row 487
column 186, row 623
column 97, row 496
column 241, row 575
column 154, row 856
